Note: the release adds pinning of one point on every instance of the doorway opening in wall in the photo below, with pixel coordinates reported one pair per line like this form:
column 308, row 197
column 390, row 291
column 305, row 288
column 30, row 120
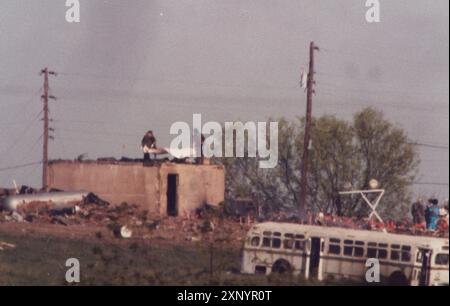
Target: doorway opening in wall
column 172, row 195
column 315, row 257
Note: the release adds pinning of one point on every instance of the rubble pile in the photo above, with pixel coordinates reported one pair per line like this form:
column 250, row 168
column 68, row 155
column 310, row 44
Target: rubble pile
column 391, row 226
column 128, row 221
column 208, row 223
column 92, row 210
column 197, row 229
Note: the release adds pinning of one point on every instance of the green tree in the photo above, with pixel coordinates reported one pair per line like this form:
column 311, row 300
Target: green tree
column 342, row 153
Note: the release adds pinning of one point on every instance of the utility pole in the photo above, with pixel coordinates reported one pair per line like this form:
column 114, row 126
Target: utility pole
column 45, row 98
column 307, row 140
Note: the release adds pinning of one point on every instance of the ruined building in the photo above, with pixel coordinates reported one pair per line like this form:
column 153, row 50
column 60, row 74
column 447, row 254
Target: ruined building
column 165, row 188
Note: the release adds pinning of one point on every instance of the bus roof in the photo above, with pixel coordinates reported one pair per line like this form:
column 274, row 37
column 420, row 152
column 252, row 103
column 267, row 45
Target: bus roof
column 344, row 233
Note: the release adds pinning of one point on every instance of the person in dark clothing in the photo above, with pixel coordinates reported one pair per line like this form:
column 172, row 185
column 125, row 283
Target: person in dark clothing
column 148, row 143
column 202, row 157
column 418, row 212
column 198, row 146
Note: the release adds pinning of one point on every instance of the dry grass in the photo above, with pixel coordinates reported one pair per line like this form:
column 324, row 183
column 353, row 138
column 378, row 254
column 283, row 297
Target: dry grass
column 41, row 261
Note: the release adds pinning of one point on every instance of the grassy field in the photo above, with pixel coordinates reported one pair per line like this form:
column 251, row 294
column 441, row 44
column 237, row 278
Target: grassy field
column 41, row 261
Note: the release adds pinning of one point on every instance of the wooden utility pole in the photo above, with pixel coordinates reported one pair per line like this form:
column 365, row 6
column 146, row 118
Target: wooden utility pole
column 307, row 139
column 45, row 98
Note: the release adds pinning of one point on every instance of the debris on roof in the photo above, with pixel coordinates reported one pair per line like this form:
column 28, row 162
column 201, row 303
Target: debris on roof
column 6, row 245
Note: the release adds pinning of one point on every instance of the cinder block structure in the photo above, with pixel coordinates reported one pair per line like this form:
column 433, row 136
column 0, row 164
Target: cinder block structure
column 165, row 188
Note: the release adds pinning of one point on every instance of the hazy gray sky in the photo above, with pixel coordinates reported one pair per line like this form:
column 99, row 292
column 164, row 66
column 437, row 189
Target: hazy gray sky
column 134, row 65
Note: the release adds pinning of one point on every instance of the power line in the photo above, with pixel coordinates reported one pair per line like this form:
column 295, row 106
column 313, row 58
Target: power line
column 96, row 140
column 432, row 146
column 330, row 92
column 247, row 86
column 25, row 130
column 397, row 106
column 100, row 133
column 22, row 163
column 16, row 114
column 20, row 166
column 180, row 81
column 374, row 54
column 95, row 125
column 30, row 149
column 431, row 183
column 340, row 87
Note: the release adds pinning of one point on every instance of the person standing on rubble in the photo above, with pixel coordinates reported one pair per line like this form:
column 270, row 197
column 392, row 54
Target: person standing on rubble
column 442, row 223
column 432, row 214
column 148, row 143
column 418, row 213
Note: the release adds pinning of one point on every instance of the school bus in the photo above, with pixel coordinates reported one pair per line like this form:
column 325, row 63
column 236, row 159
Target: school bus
column 329, row 253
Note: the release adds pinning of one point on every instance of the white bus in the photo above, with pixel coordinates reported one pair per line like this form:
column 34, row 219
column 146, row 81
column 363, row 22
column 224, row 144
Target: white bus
column 328, row 253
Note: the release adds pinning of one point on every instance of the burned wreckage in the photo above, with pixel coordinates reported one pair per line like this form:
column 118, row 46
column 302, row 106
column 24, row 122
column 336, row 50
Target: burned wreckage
column 108, row 187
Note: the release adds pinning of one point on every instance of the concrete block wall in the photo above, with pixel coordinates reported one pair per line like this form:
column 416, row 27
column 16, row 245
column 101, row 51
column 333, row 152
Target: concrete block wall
column 118, row 182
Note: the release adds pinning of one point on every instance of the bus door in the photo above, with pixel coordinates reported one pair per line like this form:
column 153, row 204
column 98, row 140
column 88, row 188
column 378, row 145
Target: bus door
column 314, row 253
column 424, row 259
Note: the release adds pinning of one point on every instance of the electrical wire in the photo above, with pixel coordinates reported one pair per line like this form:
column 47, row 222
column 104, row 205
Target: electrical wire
column 432, row 146
column 20, row 166
column 24, row 131
column 431, row 183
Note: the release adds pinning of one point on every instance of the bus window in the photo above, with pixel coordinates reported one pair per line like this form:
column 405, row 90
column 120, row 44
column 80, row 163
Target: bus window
column 348, row 248
column 266, row 242
column 299, row 245
column 395, row 252
column 441, row 259
column 359, row 252
column 255, row 241
column 351, row 250
column 348, row 251
column 267, row 233
column 377, row 253
column 277, row 234
column 302, row 237
column 359, row 249
column 382, row 253
column 395, row 255
column 334, row 246
column 372, row 253
column 288, row 235
column 288, row 244
column 406, row 253
column 276, row 243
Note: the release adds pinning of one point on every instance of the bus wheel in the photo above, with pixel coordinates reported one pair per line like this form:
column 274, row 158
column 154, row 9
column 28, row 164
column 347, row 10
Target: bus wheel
column 398, row 278
column 281, row 266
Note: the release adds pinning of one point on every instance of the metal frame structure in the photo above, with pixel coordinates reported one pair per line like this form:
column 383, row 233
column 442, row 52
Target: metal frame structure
column 373, row 205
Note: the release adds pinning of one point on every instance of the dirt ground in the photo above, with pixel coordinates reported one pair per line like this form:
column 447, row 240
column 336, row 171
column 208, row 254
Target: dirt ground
column 117, row 245
column 203, row 249
column 168, row 251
